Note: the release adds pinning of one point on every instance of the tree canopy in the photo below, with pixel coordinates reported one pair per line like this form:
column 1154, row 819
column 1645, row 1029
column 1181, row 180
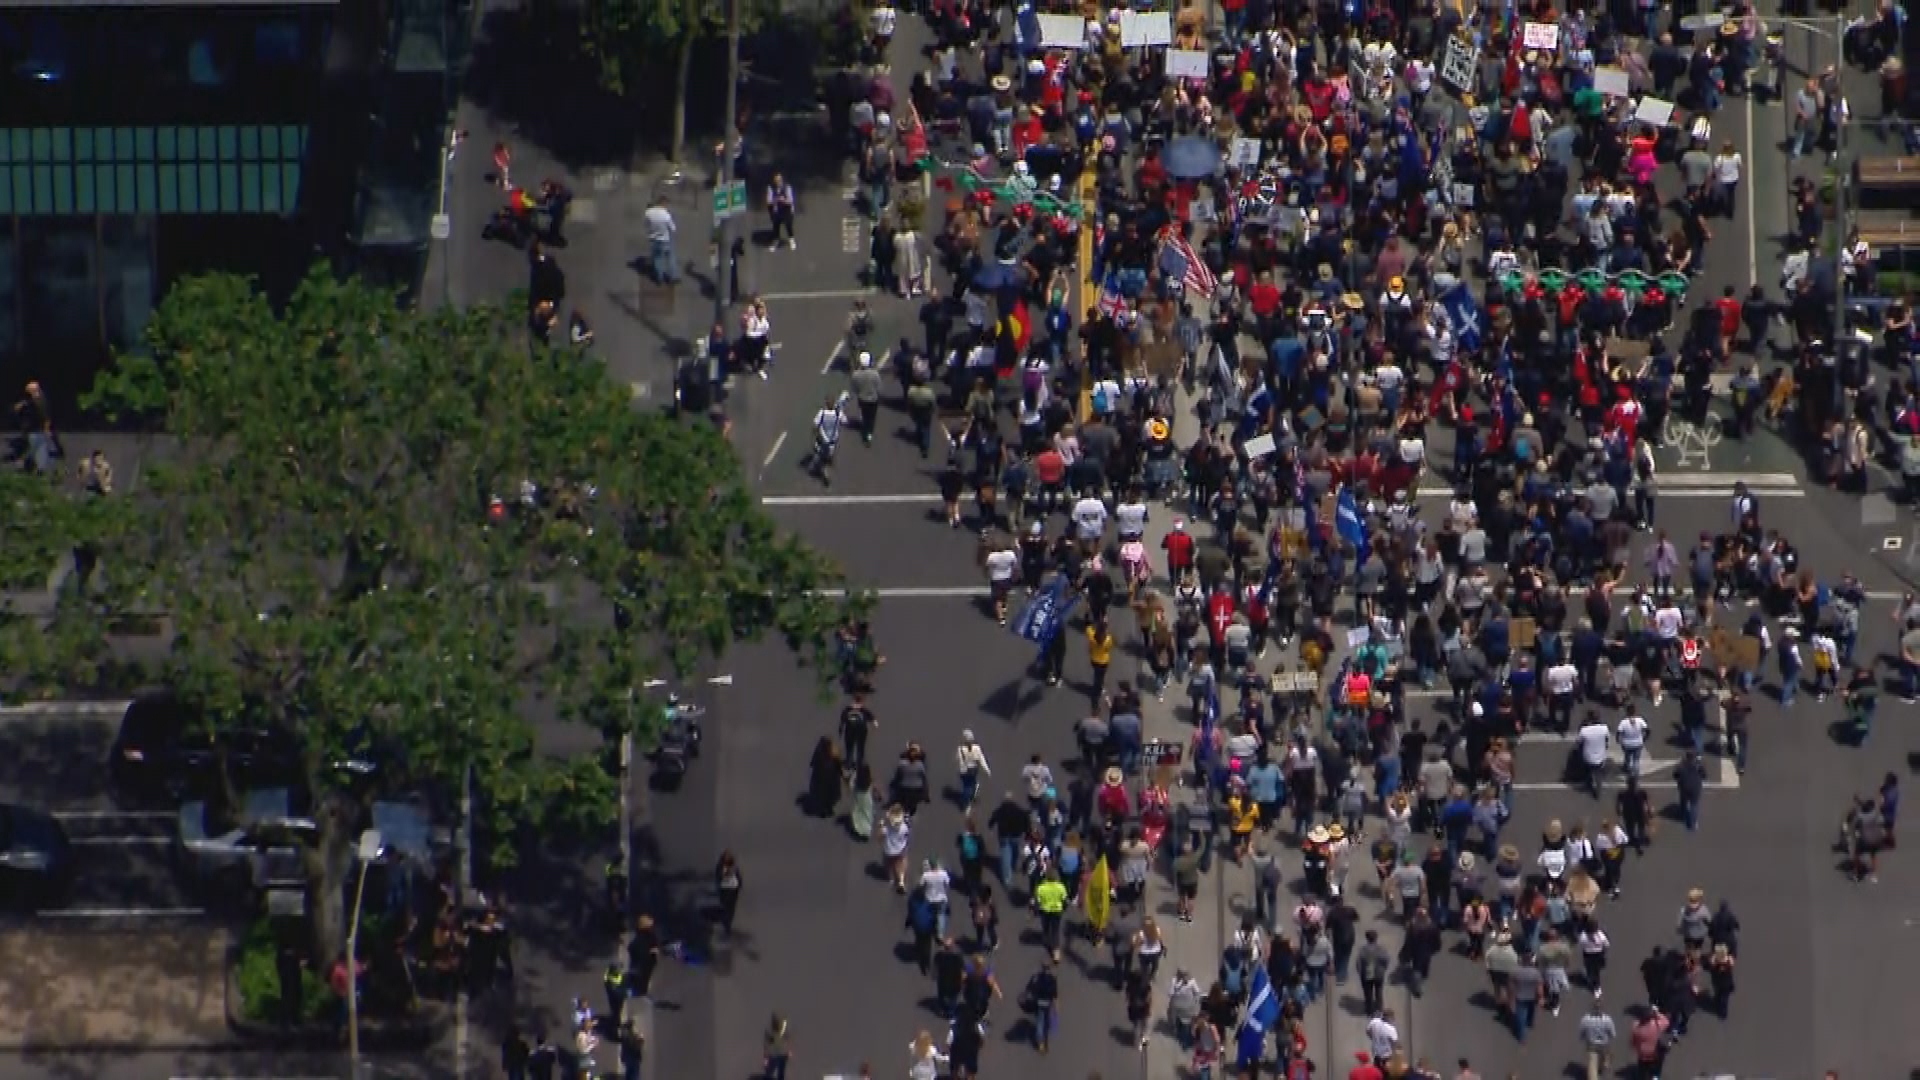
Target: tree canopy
column 319, row 532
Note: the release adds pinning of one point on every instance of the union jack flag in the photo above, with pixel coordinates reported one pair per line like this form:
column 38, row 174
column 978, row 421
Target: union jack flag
column 1198, row 280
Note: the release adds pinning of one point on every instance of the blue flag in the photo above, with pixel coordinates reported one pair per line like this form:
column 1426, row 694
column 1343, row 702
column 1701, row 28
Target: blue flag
column 1254, row 413
column 1469, row 321
column 1209, row 720
column 1263, row 1011
column 1347, row 522
column 1046, row 612
column 1268, row 582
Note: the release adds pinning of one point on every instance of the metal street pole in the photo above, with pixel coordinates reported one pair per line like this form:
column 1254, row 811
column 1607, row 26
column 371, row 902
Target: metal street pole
column 1841, row 170
column 369, row 850
column 722, row 254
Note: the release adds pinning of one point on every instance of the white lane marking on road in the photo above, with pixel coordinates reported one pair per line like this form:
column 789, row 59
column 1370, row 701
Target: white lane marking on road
column 850, row 239
column 121, row 841
column 1747, row 164
column 775, row 452
column 832, row 359
column 934, row 592
column 124, row 913
column 846, row 500
column 822, row 294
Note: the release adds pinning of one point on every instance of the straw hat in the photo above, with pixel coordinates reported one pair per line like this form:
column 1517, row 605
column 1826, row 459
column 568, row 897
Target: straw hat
column 1317, row 834
column 1466, row 862
column 1336, row 831
column 1001, row 83
column 1353, row 301
column 1509, row 853
column 1114, row 777
column 1729, row 29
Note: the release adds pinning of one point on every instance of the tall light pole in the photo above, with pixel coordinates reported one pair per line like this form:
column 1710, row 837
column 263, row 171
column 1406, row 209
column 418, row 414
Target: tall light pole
column 368, row 854
column 722, row 255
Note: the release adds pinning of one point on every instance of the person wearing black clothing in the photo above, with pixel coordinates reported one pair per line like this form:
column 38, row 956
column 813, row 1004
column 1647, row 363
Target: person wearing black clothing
column 643, row 957
column 633, row 1050
column 1042, row 998
column 1653, row 975
column 514, row 1055
column 963, row 1047
column 856, row 721
column 727, row 884
column 543, row 1060
column 949, row 976
column 1636, row 813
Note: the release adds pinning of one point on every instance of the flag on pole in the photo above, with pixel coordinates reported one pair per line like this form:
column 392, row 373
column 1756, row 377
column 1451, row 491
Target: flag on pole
column 1348, row 523
column 1046, row 613
column 1263, row 1011
column 1095, row 896
column 1198, row 280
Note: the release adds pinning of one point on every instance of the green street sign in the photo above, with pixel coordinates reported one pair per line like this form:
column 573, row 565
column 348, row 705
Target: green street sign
column 730, row 201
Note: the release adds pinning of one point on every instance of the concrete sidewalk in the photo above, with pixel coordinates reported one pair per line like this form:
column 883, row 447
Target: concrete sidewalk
column 85, row 988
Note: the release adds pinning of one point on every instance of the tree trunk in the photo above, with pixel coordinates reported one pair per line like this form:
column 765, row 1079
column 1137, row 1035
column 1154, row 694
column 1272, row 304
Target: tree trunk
column 681, row 79
column 330, row 870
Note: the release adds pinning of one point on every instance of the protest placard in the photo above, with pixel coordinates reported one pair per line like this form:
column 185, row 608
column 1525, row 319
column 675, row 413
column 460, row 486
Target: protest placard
column 1186, row 64
column 1460, row 65
column 1245, row 153
column 1142, row 29
column 1612, row 82
column 1653, row 111
column 1541, row 35
column 1063, row 32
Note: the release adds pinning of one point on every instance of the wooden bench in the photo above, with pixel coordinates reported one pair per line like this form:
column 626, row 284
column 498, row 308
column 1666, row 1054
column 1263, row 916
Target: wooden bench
column 1897, row 173
column 1888, row 181
column 1888, row 231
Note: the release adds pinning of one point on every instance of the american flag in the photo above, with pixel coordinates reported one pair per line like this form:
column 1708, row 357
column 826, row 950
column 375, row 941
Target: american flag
column 1198, row 279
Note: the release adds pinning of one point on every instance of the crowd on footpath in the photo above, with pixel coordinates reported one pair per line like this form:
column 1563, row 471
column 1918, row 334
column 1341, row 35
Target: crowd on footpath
column 1397, row 266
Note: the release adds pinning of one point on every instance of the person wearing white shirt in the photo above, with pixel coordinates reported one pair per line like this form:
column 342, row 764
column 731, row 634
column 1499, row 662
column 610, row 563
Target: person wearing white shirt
column 1002, row 565
column 1594, row 944
column 1728, row 166
column 1089, row 521
column 1562, row 679
column 934, row 885
column 756, row 328
column 970, row 764
column 1632, row 736
column 1382, row 1037
column 1666, row 623
column 1553, row 861
column 1594, row 739
column 1130, row 518
column 928, row 1062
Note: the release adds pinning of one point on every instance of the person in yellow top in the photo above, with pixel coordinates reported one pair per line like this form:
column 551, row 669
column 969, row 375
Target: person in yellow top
column 1050, row 900
column 1243, row 815
column 1100, row 655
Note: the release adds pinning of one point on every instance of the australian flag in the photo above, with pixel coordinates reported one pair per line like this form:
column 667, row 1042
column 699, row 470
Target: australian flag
column 1263, row 1011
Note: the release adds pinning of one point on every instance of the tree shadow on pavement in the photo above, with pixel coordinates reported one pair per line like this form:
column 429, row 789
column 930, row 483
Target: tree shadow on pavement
column 527, row 72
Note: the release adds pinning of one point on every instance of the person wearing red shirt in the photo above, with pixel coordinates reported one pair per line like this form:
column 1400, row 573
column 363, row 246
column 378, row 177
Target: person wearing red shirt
column 1729, row 308
column 1050, row 469
column 1264, row 296
column 1152, row 174
column 1219, row 617
column 1366, row 1069
column 1623, row 419
column 1179, row 548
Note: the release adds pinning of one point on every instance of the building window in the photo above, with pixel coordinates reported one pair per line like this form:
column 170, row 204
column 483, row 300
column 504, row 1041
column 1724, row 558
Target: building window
column 62, row 295
column 9, row 294
column 126, row 278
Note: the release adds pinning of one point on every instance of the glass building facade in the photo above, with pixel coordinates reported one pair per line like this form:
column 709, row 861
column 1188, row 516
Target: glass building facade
column 142, row 142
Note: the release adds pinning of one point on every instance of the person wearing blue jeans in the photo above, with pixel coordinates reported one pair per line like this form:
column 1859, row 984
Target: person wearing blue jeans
column 775, row 1051
column 660, row 233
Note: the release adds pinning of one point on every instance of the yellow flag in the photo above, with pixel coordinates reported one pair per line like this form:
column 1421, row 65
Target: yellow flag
column 1093, row 896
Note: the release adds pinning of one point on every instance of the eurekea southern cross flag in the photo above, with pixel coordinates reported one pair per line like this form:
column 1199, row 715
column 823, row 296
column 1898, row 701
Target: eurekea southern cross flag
column 1195, row 276
column 1263, row 1011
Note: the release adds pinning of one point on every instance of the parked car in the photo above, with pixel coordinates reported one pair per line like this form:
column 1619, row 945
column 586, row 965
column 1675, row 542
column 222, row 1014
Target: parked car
column 239, row 852
column 165, row 751
column 36, row 859
column 235, row 851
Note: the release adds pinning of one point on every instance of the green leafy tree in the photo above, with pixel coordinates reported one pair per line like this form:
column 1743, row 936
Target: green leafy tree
column 320, row 535
column 627, row 39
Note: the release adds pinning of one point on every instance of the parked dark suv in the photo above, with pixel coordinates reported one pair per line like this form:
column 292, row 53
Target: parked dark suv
column 165, row 752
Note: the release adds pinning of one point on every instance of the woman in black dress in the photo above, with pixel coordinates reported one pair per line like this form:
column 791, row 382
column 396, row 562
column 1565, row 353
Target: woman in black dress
column 823, row 788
